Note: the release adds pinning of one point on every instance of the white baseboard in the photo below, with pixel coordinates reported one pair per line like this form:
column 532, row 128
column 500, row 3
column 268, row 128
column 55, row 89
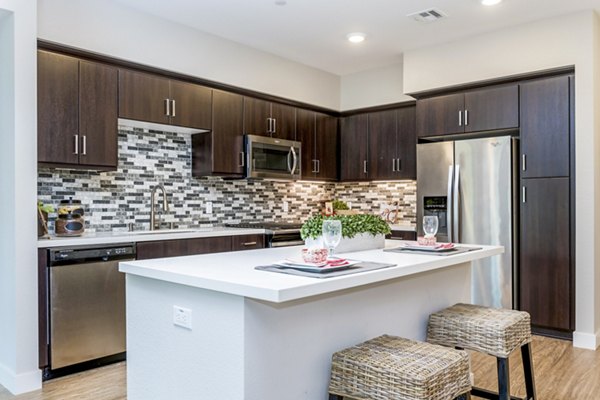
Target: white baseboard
column 585, row 340
column 20, row 383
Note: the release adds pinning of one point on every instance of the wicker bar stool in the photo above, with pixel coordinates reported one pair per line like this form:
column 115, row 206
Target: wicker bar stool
column 497, row 332
column 389, row 367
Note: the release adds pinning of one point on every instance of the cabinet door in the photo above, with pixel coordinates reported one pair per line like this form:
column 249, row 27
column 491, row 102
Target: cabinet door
column 247, row 242
column 182, row 247
column 545, row 127
column 326, row 147
column 58, row 99
column 143, row 97
column 191, row 105
column 284, row 124
column 545, row 277
column 354, row 148
column 305, row 131
column 256, row 115
column 440, row 115
column 383, row 145
column 495, row 108
column 98, row 105
column 407, row 144
column 221, row 151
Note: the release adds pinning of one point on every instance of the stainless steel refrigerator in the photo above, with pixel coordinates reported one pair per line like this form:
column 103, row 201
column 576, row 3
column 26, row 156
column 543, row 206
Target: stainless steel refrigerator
column 471, row 185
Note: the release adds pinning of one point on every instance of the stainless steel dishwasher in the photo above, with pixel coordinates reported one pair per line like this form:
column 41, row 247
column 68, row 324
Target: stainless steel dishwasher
column 86, row 304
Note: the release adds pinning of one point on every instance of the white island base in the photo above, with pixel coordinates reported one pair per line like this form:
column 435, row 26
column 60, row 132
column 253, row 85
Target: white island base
column 241, row 347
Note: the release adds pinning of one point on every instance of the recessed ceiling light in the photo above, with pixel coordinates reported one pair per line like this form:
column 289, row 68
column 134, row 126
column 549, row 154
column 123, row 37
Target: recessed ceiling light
column 490, row 2
column 356, row 37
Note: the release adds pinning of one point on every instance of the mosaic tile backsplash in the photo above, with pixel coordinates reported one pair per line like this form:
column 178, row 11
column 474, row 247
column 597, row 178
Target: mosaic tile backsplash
column 114, row 200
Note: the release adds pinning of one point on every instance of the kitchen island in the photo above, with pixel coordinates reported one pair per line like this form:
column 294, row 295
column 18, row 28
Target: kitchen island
column 259, row 335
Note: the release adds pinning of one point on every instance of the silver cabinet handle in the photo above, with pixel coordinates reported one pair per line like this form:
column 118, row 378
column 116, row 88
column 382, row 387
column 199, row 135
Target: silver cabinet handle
column 460, row 118
column 274, row 125
column 314, row 164
column 269, row 125
column 167, row 107
column 249, row 244
column 399, row 165
column 84, row 151
column 365, row 166
column 524, row 194
column 173, row 108
column 466, row 117
column 393, row 165
column 318, row 166
column 76, row 137
column 242, row 159
column 524, row 163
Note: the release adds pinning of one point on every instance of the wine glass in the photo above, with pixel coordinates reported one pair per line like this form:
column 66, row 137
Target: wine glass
column 430, row 225
column 332, row 234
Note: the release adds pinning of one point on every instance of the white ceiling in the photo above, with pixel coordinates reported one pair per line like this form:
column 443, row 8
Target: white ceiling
column 313, row 32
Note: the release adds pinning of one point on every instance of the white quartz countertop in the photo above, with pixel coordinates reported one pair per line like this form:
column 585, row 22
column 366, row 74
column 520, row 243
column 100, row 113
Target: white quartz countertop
column 234, row 272
column 397, row 227
column 143, row 236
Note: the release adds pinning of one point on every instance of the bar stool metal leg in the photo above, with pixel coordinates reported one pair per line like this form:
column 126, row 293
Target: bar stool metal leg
column 503, row 379
column 528, row 370
column 335, row 397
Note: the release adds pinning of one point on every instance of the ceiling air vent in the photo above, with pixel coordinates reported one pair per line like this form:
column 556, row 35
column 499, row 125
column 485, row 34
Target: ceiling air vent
column 430, row 15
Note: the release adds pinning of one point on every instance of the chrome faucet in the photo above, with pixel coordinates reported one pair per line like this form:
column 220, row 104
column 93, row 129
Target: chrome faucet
column 165, row 204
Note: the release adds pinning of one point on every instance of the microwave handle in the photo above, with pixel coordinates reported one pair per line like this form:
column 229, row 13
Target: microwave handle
column 289, row 163
column 295, row 160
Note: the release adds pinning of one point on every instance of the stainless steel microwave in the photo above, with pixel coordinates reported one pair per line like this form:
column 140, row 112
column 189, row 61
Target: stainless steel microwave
column 272, row 158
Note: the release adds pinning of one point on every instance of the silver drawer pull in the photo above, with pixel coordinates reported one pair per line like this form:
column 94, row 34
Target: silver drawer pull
column 84, row 152
column 250, row 244
column 167, row 107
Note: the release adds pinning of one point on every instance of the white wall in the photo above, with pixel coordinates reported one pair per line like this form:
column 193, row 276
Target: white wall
column 373, row 87
column 568, row 40
column 18, row 180
column 112, row 29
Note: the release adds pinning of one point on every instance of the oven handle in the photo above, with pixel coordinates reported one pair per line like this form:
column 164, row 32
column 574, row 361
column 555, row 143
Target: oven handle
column 287, row 244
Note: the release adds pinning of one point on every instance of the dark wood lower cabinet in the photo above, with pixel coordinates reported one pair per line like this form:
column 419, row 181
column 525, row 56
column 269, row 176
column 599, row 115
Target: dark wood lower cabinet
column 546, row 270
column 182, row 247
column 247, row 242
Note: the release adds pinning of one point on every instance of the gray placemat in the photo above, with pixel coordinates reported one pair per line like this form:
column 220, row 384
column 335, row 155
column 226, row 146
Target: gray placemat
column 452, row 252
column 362, row 267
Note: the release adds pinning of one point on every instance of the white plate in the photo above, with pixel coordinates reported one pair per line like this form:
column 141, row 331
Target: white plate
column 314, row 268
column 436, row 247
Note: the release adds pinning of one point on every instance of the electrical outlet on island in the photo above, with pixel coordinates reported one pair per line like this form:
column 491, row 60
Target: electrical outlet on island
column 182, row 317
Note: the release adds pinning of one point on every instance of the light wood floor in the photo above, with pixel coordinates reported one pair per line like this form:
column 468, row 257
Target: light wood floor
column 561, row 372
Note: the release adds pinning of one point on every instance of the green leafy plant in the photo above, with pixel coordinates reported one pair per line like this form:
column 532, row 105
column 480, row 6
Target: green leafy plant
column 351, row 225
column 340, row 205
column 47, row 208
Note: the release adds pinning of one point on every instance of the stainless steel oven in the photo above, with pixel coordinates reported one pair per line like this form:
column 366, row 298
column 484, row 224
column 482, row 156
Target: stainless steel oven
column 272, row 158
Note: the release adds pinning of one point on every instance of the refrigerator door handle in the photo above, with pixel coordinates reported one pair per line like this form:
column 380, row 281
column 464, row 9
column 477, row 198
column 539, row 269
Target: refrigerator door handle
column 456, row 204
column 449, row 210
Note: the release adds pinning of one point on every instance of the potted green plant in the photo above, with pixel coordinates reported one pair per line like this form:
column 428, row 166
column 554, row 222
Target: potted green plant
column 359, row 231
column 43, row 210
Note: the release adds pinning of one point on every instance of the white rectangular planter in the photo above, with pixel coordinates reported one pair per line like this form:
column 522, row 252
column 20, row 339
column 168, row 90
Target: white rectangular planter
column 362, row 241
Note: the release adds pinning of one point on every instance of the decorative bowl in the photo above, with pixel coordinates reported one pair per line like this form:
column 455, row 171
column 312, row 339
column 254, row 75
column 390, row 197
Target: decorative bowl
column 315, row 255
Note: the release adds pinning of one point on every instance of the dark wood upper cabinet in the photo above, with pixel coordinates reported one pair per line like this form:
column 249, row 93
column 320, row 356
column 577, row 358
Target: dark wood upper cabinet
column 269, row 119
column 77, row 112
column 327, row 145
column 191, row 106
column 545, row 265
column 440, row 115
column 150, row 98
column 545, row 124
column 489, row 109
column 306, row 131
column 220, row 152
column 383, row 145
column 407, row 144
column 98, row 98
column 143, row 97
column 478, row 110
column 354, row 164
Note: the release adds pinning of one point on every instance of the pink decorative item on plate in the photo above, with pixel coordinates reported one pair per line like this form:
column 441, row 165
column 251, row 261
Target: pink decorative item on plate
column 426, row 240
column 316, row 256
